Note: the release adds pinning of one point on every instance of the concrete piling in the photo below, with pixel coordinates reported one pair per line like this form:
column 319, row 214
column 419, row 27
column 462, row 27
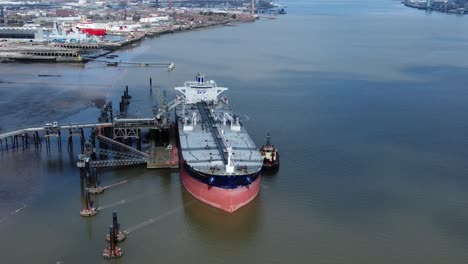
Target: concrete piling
column 95, row 188
column 37, row 140
column 112, row 251
column 118, row 235
column 151, row 85
column 89, row 209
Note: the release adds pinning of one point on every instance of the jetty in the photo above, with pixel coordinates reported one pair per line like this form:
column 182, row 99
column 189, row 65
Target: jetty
column 113, row 141
column 169, row 65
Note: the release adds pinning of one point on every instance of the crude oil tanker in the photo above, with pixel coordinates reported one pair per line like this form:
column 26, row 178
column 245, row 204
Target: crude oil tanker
column 219, row 162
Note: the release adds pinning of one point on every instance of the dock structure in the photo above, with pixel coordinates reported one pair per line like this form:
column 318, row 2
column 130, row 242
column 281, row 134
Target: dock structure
column 48, row 127
column 163, row 155
column 119, row 236
column 119, row 137
column 112, row 251
column 123, row 129
column 48, row 130
column 169, row 65
column 40, row 54
column 89, row 209
column 45, row 52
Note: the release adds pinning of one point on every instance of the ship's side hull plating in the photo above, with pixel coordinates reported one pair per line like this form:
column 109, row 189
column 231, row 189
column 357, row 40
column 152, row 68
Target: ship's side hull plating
column 227, row 196
column 93, row 31
column 228, row 200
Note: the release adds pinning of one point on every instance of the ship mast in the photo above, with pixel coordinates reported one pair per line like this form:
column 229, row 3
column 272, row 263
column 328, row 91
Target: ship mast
column 229, row 165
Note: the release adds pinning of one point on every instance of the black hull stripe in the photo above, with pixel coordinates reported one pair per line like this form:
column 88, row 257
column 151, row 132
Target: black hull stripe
column 221, row 181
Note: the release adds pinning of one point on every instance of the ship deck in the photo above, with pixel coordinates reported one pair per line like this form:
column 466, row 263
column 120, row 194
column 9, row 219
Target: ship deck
column 204, row 144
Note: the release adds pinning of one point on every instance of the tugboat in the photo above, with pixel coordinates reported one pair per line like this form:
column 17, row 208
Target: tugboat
column 270, row 155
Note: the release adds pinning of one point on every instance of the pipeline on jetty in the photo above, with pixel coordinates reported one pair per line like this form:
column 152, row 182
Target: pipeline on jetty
column 119, row 137
column 115, row 135
column 137, row 63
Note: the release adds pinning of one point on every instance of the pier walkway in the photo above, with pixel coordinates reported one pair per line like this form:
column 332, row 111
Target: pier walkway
column 23, row 131
column 120, row 154
column 137, row 63
column 120, row 139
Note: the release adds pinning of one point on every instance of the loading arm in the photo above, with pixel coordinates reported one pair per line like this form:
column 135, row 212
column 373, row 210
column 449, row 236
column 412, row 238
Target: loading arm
column 171, row 105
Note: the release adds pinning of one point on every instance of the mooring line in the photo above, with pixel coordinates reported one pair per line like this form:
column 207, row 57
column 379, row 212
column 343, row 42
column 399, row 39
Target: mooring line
column 111, row 205
column 14, row 212
column 115, row 184
column 136, row 197
column 19, row 209
column 159, row 217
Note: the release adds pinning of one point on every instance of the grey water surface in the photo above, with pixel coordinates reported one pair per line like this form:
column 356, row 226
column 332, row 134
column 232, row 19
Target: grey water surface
column 367, row 102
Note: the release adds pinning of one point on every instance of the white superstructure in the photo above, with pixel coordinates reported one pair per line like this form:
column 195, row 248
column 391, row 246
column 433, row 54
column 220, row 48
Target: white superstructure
column 199, row 91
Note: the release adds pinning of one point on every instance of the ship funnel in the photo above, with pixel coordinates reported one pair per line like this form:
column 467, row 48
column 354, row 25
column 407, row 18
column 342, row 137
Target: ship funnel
column 200, row 78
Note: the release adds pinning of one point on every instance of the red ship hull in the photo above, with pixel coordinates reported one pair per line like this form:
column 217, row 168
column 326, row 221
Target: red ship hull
column 94, row 31
column 228, row 200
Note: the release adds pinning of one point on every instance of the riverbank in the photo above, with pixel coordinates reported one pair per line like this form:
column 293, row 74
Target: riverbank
column 14, row 50
column 445, row 7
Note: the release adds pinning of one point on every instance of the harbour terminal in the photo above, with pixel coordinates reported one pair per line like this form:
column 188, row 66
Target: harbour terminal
column 77, row 32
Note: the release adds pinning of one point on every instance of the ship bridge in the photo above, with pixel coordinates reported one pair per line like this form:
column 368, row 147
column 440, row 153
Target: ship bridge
column 200, row 90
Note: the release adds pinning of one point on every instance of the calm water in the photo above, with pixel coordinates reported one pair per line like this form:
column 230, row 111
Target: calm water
column 367, row 102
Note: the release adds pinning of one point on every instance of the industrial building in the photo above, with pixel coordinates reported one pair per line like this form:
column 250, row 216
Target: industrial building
column 21, row 33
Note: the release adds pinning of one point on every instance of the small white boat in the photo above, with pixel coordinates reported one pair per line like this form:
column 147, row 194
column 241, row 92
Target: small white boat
column 171, row 67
